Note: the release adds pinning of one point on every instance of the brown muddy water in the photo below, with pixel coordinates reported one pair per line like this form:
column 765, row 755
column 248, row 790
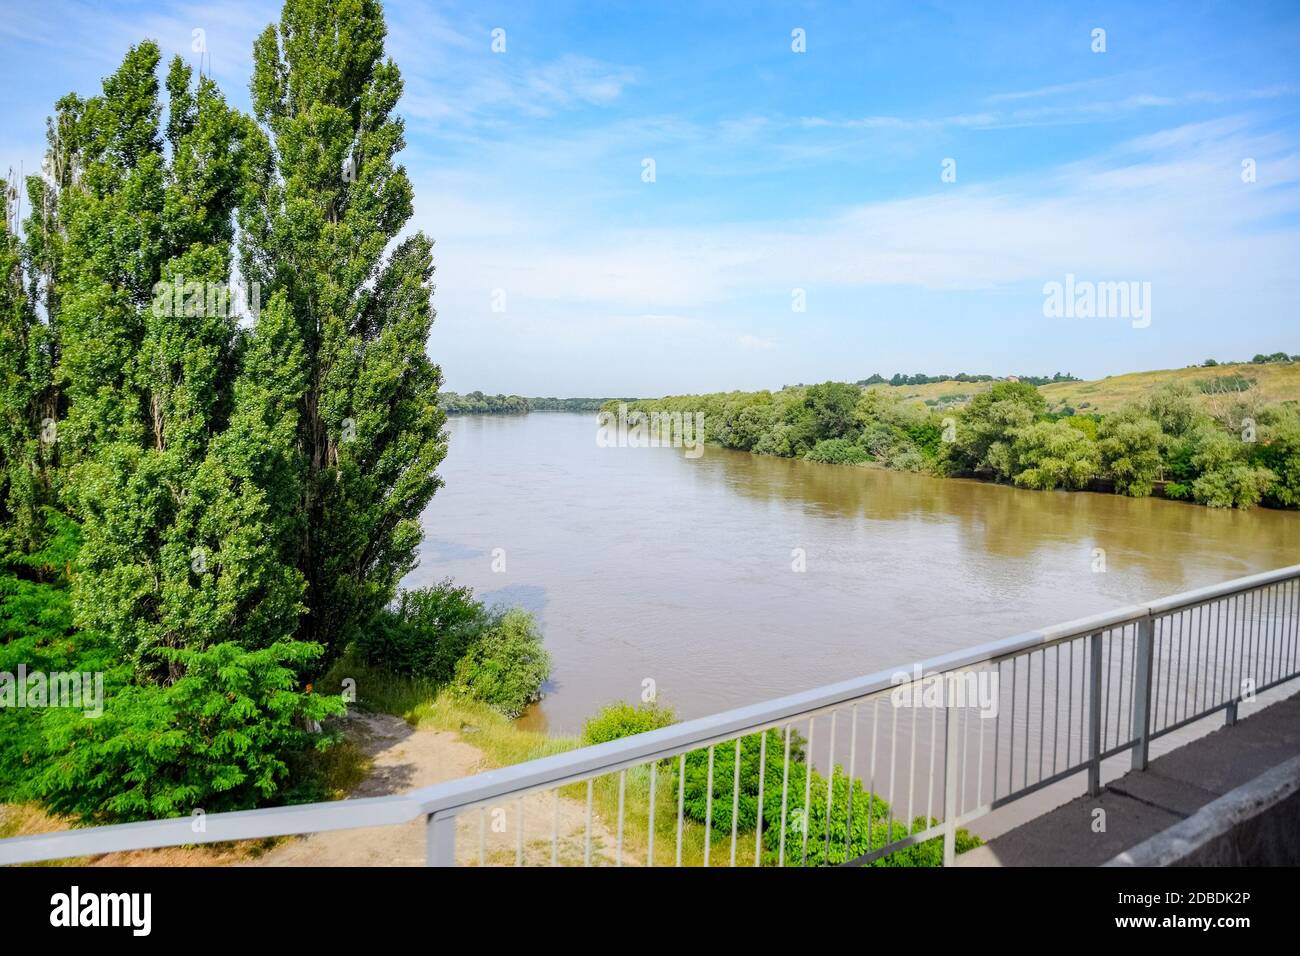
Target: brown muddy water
column 644, row 564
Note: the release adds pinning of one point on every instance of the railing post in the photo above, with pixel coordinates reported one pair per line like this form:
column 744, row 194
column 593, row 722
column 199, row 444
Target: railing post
column 440, row 840
column 950, row 744
column 1094, row 716
column 1230, row 714
column 1142, row 700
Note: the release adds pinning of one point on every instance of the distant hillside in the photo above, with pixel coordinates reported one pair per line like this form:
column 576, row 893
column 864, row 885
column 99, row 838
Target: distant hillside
column 1269, row 383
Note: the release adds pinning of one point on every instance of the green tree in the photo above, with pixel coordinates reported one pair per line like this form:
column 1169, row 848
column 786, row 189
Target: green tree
column 180, row 548
column 327, row 201
column 986, row 429
column 1049, row 455
column 28, row 399
column 1225, row 478
column 1279, row 451
column 1129, row 442
column 1174, row 406
column 832, row 405
column 506, row 665
column 31, row 397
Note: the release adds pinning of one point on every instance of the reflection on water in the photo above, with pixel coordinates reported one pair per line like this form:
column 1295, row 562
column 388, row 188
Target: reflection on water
column 643, row 564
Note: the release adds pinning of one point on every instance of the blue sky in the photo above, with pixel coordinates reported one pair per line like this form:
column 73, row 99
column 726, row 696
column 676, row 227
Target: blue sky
column 820, row 171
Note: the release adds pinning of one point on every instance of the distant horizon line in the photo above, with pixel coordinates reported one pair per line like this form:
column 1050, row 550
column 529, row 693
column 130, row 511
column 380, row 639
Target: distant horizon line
column 1270, row 358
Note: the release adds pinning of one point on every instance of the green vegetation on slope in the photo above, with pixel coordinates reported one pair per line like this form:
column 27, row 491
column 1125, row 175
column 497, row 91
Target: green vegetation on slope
column 1269, row 384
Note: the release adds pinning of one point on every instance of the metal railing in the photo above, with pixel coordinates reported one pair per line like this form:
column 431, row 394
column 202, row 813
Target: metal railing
column 790, row 781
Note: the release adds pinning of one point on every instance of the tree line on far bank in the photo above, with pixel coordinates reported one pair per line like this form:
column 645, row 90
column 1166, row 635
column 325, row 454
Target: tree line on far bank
column 1239, row 455
column 477, row 403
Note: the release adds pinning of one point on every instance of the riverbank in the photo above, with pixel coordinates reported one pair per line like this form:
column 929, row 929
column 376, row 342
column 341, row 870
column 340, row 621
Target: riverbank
column 1220, row 446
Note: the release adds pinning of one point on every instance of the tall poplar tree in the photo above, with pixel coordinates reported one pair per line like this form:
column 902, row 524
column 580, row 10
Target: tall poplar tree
column 171, row 442
column 31, row 402
column 26, row 378
column 330, row 202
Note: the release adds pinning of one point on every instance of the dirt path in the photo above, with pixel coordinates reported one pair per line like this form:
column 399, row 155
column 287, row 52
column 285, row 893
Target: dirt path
column 405, row 759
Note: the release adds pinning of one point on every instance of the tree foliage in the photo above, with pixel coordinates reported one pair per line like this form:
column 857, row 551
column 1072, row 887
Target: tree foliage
column 1171, row 439
column 326, row 201
column 234, row 486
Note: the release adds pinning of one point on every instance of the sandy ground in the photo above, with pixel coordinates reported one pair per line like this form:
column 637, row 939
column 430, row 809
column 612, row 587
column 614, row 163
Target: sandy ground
column 405, row 759
column 402, row 759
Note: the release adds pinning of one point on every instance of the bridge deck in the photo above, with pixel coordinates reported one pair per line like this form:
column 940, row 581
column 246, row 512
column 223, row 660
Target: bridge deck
column 1142, row 803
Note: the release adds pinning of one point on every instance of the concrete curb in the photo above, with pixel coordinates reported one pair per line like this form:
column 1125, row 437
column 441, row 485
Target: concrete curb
column 1256, row 824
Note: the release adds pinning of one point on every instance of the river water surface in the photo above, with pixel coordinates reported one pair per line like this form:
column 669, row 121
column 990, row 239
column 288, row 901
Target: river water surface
column 643, row 564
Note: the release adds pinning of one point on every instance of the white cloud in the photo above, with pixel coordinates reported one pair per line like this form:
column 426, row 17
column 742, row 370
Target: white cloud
column 1169, row 208
column 488, row 89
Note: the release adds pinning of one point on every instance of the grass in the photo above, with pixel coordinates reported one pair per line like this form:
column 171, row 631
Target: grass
column 952, row 391
column 1275, row 382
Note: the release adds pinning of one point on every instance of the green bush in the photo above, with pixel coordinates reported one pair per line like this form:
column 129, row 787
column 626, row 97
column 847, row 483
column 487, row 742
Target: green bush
column 1235, row 485
column 426, row 632
column 1224, row 477
column 838, row 451
column 907, row 459
column 442, row 634
column 695, row 797
column 621, row 719
column 219, row 738
column 868, row 821
column 1224, row 383
column 1279, row 451
column 221, row 735
column 506, row 666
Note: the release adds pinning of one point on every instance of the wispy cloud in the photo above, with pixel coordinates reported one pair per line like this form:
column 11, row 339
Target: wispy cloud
column 1095, row 110
column 1170, row 204
column 1042, row 91
column 497, row 90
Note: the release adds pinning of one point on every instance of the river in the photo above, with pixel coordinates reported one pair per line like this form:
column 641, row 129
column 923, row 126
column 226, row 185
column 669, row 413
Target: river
column 645, row 565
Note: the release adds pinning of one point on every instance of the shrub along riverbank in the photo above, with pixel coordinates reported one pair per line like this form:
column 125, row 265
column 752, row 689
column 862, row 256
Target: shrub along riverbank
column 1233, row 452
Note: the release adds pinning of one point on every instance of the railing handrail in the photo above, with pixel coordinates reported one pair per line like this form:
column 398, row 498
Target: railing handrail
column 559, row 769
